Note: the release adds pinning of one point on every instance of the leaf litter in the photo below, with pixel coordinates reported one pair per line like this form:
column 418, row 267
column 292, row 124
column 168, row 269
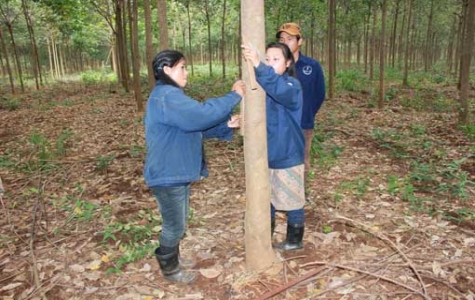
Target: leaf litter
column 360, row 241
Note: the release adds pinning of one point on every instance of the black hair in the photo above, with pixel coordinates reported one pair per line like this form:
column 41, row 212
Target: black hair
column 277, row 36
column 166, row 58
column 287, row 55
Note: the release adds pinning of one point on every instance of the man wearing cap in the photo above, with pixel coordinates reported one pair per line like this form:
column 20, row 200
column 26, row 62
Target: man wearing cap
column 310, row 75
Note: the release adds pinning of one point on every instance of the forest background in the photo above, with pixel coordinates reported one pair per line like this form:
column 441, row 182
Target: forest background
column 74, row 79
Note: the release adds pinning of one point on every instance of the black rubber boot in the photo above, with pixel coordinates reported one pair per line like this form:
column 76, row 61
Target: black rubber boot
column 293, row 241
column 272, row 227
column 170, row 266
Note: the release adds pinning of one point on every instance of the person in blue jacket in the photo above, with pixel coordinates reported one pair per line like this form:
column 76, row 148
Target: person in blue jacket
column 285, row 140
column 310, row 75
column 175, row 126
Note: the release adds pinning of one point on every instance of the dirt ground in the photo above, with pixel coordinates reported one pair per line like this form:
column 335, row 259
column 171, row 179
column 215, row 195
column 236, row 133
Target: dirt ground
column 361, row 241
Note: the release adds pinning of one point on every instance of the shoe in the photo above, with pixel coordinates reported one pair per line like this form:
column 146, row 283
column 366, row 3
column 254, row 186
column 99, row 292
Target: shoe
column 293, row 240
column 171, row 269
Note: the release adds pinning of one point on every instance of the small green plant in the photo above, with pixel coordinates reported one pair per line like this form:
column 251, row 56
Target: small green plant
column 137, row 150
column 351, row 80
column 417, row 129
column 67, row 102
column 104, row 161
column 394, row 185
column 62, row 140
column 9, row 103
column 469, row 131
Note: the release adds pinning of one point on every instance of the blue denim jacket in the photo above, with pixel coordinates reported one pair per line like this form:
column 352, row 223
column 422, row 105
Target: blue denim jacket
column 175, row 126
column 285, row 140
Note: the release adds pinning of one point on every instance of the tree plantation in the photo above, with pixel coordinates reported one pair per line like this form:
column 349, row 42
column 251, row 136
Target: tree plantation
column 390, row 208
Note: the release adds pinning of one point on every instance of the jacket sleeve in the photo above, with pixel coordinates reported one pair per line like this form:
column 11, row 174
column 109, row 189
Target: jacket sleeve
column 191, row 115
column 221, row 131
column 283, row 89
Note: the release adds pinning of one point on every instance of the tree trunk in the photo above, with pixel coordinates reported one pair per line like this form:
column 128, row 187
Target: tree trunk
column 35, row 66
column 465, row 4
column 331, row 49
column 7, row 62
column 134, row 45
column 466, row 58
column 121, row 45
column 15, row 54
column 382, row 50
column 163, row 24
column 223, row 56
column 392, row 47
column 148, row 44
column 190, row 55
column 373, row 44
column 208, row 25
column 427, row 51
column 408, row 41
column 259, row 253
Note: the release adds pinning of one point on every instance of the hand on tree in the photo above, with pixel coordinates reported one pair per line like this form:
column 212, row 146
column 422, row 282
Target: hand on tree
column 234, row 121
column 250, row 53
column 239, row 87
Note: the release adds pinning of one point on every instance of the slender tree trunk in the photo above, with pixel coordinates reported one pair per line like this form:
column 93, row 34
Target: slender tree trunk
column 407, row 44
column 259, row 253
column 373, row 44
column 366, row 40
column 450, row 47
column 223, row 39
column 458, row 48
column 382, row 50
column 134, row 45
column 427, row 51
column 208, row 25
column 35, row 66
column 148, row 44
column 121, row 43
column 331, row 49
column 465, row 5
column 393, row 37
column 7, row 62
column 466, row 58
column 163, row 23
column 16, row 56
column 190, row 56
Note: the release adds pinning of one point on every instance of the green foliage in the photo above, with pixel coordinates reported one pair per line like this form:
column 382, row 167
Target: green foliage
column 351, row 80
column 469, row 131
column 9, row 103
column 95, row 77
column 104, row 161
column 62, row 141
column 322, row 152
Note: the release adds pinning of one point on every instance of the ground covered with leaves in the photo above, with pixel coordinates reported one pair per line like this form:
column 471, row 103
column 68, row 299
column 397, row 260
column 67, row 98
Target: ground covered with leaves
column 391, row 212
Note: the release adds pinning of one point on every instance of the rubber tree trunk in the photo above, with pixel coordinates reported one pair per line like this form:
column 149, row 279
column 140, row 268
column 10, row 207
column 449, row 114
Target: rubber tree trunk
column 259, row 253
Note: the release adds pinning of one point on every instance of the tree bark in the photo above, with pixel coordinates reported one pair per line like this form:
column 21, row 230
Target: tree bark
column 134, row 45
column 148, row 43
column 331, row 49
column 466, row 58
column 208, row 25
column 259, row 253
column 408, row 41
column 163, row 23
column 190, row 55
column 427, row 51
column 7, row 62
column 382, row 50
column 373, row 44
column 223, row 39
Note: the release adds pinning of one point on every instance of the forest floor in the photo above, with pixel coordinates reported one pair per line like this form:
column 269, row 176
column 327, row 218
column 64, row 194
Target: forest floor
column 391, row 212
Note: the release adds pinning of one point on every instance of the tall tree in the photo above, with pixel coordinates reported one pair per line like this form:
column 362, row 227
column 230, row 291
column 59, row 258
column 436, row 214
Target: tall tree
column 9, row 16
column 134, row 45
column 331, row 48
column 207, row 9
column 466, row 57
column 7, row 62
column 382, row 54
column 123, row 63
column 259, row 253
column 148, row 43
column 162, row 24
column 407, row 45
column 223, row 39
column 35, row 66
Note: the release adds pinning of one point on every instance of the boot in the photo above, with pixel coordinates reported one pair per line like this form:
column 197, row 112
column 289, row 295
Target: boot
column 185, row 262
column 293, row 241
column 170, row 267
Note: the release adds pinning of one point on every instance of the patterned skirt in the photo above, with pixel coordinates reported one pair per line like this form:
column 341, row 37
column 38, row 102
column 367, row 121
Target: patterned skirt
column 287, row 188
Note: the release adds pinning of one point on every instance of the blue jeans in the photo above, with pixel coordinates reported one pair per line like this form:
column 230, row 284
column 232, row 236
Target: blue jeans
column 294, row 217
column 173, row 203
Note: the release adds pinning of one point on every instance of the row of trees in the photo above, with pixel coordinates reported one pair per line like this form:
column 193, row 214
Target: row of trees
column 43, row 39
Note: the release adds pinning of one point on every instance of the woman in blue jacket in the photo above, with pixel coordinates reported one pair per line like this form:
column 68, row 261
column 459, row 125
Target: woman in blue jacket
column 175, row 126
column 285, row 140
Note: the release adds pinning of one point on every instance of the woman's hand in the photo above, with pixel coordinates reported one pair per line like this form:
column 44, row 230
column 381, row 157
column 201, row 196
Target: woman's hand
column 239, row 87
column 250, row 53
column 234, row 122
